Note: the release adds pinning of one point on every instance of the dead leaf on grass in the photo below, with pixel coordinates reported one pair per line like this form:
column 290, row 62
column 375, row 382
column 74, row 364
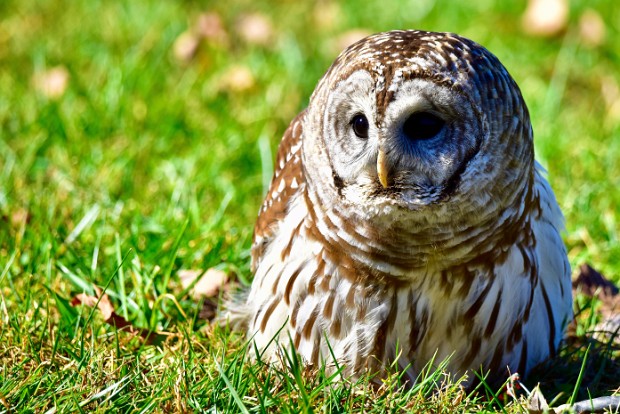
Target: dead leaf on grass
column 186, row 45
column 206, row 284
column 52, row 82
column 19, row 217
column 209, row 26
column 545, row 18
column 536, row 402
column 608, row 330
column 237, row 79
column 103, row 303
column 255, row 29
column 592, row 28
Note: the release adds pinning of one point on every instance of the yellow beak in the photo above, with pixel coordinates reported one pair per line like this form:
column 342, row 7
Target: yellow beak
column 382, row 168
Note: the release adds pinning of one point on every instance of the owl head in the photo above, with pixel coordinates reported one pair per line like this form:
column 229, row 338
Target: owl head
column 413, row 121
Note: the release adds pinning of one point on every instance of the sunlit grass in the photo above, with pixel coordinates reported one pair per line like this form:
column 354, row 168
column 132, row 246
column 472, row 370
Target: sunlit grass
column 146, row 164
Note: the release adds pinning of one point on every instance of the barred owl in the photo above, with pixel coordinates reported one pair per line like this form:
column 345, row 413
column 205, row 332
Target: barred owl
column 408, row 220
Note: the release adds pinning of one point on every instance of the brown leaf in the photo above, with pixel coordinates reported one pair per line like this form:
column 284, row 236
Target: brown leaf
column 209, row 26
column 237, row 79
column 609, row 329
column 458, row 398
column 19, row 217
column 103, row 303
column 255, row 29
column 610, row 307
column 592, row 28
column 536, row 402
column 53, row 82
column 207, row 284
column 545, row 18
column 185, row 46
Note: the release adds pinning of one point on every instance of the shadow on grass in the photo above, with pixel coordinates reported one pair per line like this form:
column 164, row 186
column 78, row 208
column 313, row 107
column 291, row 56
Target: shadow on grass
column 600, row 375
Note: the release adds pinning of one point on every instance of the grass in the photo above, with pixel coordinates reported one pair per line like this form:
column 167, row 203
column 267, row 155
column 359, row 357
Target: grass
column 147, row 165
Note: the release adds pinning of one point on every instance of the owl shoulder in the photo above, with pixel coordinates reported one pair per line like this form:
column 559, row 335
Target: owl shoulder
column 288, row 180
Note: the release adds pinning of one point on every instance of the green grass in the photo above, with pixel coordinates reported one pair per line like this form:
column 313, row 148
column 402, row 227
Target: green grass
column 148, row 165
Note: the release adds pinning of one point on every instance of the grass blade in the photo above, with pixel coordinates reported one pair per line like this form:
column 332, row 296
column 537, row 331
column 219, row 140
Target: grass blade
column 232, row 390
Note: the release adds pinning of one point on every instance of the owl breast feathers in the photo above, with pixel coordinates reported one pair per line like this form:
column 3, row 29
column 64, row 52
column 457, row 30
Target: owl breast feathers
column 407, row 219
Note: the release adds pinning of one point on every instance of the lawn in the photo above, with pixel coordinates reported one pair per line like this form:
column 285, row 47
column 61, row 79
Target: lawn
column 137, row 140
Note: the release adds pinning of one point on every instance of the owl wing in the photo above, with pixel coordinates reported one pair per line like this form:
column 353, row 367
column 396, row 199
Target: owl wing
column 552, row 308
column 288, row 180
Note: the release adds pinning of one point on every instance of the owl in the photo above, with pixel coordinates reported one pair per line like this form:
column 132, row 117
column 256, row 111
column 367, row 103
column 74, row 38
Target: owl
column 407, row 220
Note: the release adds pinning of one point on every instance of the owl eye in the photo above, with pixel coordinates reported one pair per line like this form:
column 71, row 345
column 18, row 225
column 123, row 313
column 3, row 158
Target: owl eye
column 422, row 125
column 360, row 125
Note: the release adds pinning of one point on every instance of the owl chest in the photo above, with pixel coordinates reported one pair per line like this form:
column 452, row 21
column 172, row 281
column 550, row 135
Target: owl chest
column 328, row 309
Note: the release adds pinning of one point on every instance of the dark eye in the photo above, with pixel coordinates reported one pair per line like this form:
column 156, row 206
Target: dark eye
column 422, row 125
column 360, row 126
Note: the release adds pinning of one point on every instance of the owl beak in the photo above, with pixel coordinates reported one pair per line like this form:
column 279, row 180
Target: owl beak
column 382, row 168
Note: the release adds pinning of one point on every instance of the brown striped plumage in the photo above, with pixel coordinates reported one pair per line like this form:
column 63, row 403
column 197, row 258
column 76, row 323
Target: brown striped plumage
column 407, row 218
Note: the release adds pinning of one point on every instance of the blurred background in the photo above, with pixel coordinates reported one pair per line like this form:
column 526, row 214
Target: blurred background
column 121, row 120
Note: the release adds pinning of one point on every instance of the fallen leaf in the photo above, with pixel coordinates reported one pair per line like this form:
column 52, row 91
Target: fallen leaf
column 592, row 28
column 19, row 217
column 255, row 29
column 209, row 26
column 185, row 46
column 237, row 79
column 458, row 398
column 103, row 303
column 608, row 330
column 536, row 402
column 545, row 18
column 52, row 82
column 205, row 284
column 610, row 306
